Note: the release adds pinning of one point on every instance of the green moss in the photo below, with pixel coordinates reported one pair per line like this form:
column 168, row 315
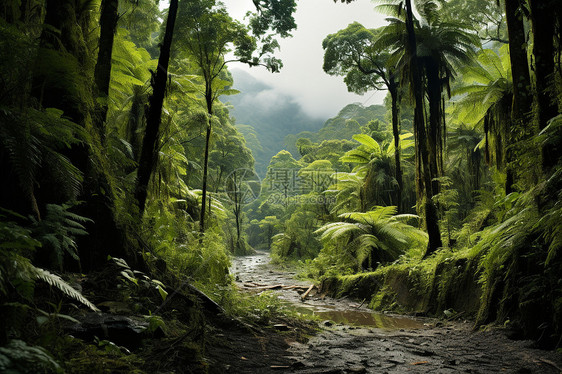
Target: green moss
column 101, row 359
column 385, row 299
column 444, row 281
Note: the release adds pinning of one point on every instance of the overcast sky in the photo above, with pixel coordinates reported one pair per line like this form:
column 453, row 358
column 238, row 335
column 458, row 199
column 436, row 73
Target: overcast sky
column 302, row 76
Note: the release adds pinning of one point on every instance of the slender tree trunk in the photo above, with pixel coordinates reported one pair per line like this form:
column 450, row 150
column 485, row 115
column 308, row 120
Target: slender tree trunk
column 238, row 225
column 102, row 72
column 543, row 19
column 442, row 135
column 206, row 167
column 397, row 149
column 149, row 154
column 24, row 8
column 431, row 221
column 136, row 117
column 521, row 83
column 238, row 207
column 434, row 98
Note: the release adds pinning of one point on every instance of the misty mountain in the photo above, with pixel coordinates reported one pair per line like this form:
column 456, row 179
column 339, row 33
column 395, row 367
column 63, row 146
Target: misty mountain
column 266, row 117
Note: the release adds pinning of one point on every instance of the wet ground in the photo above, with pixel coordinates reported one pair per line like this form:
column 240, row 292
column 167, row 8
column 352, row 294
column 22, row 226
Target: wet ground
column 255, row 274
column 355, row 339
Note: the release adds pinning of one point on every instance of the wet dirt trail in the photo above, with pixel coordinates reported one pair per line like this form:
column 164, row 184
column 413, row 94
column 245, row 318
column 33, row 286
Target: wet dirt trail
column 354, row 339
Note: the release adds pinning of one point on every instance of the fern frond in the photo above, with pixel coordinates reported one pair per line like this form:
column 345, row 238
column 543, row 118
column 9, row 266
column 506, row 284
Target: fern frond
column 58, row 282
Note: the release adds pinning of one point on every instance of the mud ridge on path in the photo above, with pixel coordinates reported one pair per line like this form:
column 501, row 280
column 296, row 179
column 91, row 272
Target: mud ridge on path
column 417, row 345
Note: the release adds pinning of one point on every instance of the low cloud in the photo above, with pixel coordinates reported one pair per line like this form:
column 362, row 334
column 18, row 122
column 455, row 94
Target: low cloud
column 267, row 100
column 302, row 77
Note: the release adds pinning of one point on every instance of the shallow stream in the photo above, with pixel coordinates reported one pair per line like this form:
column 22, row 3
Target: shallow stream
column 256, row 270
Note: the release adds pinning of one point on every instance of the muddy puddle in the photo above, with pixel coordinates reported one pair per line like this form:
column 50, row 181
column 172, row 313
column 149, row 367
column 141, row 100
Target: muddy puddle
column 363, row 318
column 254, row 273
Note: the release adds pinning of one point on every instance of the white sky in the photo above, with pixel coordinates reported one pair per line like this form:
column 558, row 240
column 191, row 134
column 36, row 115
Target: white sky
column 302, row 77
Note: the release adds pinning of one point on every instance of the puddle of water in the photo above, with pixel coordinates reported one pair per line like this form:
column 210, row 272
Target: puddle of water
column 363, row 318
column 248, row 269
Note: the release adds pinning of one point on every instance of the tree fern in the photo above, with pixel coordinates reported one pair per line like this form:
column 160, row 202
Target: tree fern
column 485, row 101
column 57, row 232
column 348, row 192
column 371, row 144
column 377, row 236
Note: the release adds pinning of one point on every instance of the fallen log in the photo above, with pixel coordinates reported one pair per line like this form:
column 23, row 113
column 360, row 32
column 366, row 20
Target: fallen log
column 207, row 303
column 299, row 289
column 305, row 295
column 272, row 287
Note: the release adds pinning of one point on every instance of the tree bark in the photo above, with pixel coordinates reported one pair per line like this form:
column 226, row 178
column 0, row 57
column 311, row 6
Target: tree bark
column 209, row 101
column 434, row 98
column 521, row 83
column 205, row 174
column 149, row 154
column 237, row 209
column 393, row 88
column 431, row 220
column 102, row 71
column 543, row 19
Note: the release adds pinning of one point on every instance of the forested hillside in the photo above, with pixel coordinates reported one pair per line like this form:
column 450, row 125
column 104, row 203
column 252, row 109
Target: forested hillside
column 347, row 123
column 266, row 117
column 133, row 171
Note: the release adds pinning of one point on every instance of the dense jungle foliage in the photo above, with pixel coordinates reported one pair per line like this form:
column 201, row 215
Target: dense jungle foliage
column 125, row 177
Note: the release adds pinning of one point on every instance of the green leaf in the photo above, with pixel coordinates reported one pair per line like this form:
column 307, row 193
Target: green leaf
column 56, row 281
column 369, row 142
column 163, row 292
column 127, row 274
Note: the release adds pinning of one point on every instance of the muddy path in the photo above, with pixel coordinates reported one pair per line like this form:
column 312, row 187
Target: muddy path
column 354, row 339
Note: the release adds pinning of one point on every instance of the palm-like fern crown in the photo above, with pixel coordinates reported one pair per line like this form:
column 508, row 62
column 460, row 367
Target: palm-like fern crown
column 487, row 83
column 377, row 235
column 445, row 45
column 485, row 100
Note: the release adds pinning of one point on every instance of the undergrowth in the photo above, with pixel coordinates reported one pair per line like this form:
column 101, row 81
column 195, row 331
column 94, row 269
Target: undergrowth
column 513, row 263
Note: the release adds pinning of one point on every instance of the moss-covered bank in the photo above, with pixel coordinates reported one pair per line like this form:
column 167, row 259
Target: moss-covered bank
column 459, row 283
column 430, row 287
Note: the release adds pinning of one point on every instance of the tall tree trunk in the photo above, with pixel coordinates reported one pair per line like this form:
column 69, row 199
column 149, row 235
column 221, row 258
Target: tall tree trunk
column 24, row 9
column 208, row 97
column 237, row 209
column 102, row 71
column 522, row 98
column 543, row 19
column 430, row 211
column 149, row 154
column 434, row 98
column 393, row 88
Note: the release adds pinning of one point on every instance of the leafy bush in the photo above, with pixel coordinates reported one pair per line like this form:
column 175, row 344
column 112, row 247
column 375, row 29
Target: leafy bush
column 19, row 358
column 17, row 274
